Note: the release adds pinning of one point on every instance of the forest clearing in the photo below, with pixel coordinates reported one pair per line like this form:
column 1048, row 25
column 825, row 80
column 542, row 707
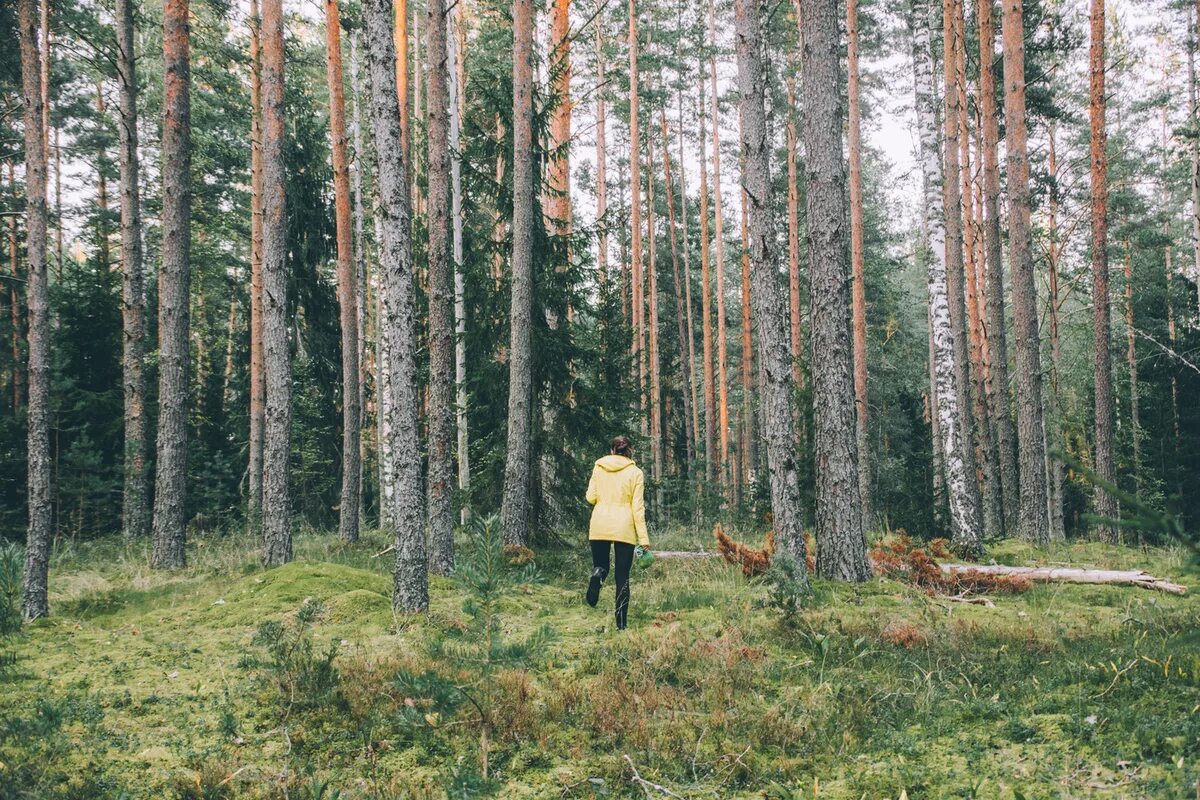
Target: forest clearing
column 599, row 398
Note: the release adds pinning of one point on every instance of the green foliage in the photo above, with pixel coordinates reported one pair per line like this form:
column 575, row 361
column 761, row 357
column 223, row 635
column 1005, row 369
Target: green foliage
column 302, row 676
column 471, row 656
column 12, row 562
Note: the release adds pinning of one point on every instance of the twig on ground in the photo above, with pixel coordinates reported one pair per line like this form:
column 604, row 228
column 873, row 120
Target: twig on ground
column 385, row 551
column 648, row 785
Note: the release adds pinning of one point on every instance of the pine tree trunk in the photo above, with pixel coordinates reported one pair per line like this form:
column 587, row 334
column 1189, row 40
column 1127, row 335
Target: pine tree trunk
column 258, row 394
column 1194, row 148
column 986, row 455
column 410, row 581
column 1033, row 523
column 103, row 250
column 946, row 394
column 710, row 403
column 1106, row 506
column 441, row 300
column 135, row 508
column 858, row 287
column 841, row 544
column 1054, row 305
column 793, row 212
column 726, row 472
column 34, row 591
column 1135, row 418
column 174, row 279
column 277, row 504
column 681, row 324
column 346, row 281
column 952, row 206
column 456, row 44
column 656, row 396
column 748, row 448
column 769, row 314
column 400, row 40
column 515, row 509
column 637, row 300
column 999, row 410
column 14, row 300
column 601, row 161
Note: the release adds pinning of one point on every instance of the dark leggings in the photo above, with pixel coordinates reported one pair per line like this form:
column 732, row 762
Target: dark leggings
column 624, row 560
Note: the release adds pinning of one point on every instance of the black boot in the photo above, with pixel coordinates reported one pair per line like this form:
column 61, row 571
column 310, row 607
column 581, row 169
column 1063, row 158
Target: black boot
column 593, row 590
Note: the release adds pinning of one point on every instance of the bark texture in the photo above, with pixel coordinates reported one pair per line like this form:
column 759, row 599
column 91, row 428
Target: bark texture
column 770, row 309
column 34, row 592
column 258, row 389
column 858, row 294
column 999, row 410
column 441, row 300
column 410, row 580
column 945, row 409
column 347, row 289
column 135, row 508
column 1033, row 521
column 681, row 324
column 455, row 45
column 1106, row 505
column 515, row 508
column 174, row 280
column 710, row 402
column 725, row 471
column 841, row 544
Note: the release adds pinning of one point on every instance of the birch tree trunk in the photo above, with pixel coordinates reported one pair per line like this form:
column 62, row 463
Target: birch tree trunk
column 174, row 279
column 258, row 393
column 1194, row 150
column 346, row 280
column 1106, row 505
column 515, row 508
column 456, row 44
column 410, row 580
column 841, row 543
column 769, row 309
column 360, row 261
column 748, row 449
column 858, row 296
column 952, row 206
column 945, row 402
column 999, row 410
column 135, row 507
column 793, row 212
column 441, row 299
column 34, row 590
column 1031, row 437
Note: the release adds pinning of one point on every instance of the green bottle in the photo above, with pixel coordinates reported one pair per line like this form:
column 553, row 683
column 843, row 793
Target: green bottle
column 642, row 557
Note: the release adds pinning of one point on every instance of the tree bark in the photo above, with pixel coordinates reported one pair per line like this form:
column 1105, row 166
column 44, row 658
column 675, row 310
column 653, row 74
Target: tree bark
column 1106, row 506
column 456, row 44
column 952, row 205
column 656, row 395
column 346, row 281
column 725, row 471
column 689, row 351
column 34, row 590
column 14, row 300
column 1033, row 523
column 946, row 394
column 1135, row 417
column 277, row 505
column 1194, row 148
column 601, row 161
column 685, row 359
column 997, row 389
column 769, row 307
column 365, row 371
column 793, row 212
column 400, row 39
column 174, row 279
column 858, row 295
column 515, row 508
column 410, row 581
column 135, row 508
column 258, row 393
column 710, row 402
column 1054, row 435
column 441, row 299
column 748, row 448
column 637, row 300
column 841, row 543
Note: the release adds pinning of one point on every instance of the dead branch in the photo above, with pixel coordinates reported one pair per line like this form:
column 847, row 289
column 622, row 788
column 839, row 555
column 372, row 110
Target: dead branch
column 1072, row 575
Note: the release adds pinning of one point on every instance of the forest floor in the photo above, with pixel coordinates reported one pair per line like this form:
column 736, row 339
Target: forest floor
column 148, row 685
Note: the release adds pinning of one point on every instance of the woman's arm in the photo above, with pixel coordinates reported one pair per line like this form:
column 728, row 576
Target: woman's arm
column 592, row 496
column 639, row 509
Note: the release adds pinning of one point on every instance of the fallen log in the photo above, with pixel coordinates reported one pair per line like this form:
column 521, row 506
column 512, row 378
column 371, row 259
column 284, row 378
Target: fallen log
column 1073, row 575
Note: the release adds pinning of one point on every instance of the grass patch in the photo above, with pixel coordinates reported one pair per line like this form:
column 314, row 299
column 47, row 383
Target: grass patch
column 159, row 685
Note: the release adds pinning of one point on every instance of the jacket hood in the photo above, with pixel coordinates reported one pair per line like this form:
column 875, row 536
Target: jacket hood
column 614, row 463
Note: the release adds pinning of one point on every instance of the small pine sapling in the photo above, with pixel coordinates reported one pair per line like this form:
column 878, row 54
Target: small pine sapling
column 12, row 559
column 476, row 652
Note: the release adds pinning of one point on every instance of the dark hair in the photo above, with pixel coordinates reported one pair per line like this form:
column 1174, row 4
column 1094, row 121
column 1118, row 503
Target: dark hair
column 622, row 446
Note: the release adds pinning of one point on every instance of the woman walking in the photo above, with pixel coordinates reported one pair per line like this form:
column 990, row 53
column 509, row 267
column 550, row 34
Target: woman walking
column 616, row 492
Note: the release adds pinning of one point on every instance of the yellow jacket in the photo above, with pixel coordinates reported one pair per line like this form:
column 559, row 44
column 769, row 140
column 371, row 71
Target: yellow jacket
column 616, row 491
